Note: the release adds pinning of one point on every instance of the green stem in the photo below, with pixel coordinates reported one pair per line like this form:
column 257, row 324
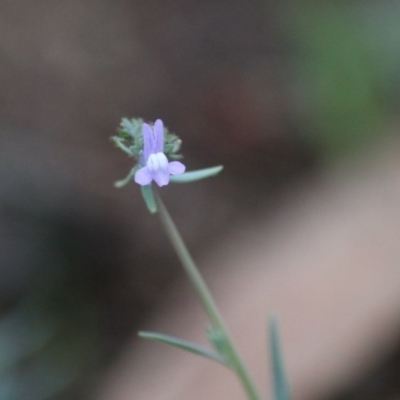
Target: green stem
column 206, row 298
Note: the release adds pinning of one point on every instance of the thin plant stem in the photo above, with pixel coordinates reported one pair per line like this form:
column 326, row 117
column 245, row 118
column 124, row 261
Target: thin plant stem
column 206, row 298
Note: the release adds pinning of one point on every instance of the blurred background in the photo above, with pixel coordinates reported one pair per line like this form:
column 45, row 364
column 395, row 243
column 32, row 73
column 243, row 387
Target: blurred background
column 275, row 91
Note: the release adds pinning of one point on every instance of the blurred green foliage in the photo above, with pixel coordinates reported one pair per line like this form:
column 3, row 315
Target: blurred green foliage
column 344, row 71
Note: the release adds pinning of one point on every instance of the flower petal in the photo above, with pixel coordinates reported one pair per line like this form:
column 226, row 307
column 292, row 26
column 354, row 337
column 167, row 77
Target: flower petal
column 143, row 176
column 161, row 176
column 176, row 168
column 159, row 136
column 148, row 141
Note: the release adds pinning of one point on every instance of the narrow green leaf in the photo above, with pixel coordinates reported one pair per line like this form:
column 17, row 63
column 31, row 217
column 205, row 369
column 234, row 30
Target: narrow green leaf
column 281, row 388
column 196, row 175
column 184, row 345
column 149, row 199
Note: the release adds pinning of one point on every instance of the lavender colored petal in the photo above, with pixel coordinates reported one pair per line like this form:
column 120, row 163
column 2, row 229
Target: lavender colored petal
column 148, row 141
column 176, row 168
column 143, row 176
column 159, row 136
column 161, row 176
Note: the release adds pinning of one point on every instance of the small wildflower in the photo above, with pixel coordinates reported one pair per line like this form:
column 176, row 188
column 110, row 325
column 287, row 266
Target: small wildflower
column 155, row 163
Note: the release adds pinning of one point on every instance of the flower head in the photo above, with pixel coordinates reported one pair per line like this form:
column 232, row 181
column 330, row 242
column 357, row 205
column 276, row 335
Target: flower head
column 155, row 163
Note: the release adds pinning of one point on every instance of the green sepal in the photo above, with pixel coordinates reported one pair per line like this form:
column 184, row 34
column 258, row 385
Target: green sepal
column 172, row 144
column 149, row 199
column 281, row 388
column 119, row 143
column 131, row 128
column 128, row 179
column 184, row 345
column 176, row 156
column 197, row 175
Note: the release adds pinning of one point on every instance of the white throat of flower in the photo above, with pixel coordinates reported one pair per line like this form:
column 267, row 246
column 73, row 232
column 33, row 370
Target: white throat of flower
column 157, row 162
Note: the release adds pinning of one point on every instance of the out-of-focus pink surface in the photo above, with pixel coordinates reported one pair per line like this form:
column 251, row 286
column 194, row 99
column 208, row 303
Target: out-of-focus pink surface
column 328, row 263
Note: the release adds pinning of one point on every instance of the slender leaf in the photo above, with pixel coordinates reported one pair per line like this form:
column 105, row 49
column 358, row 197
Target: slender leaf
column 148, row 196
column 184, row 345
column 196, row 175
column 281, row 389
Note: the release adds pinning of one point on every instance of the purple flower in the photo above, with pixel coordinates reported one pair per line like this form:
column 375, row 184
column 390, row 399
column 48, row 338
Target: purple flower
column 156, row 165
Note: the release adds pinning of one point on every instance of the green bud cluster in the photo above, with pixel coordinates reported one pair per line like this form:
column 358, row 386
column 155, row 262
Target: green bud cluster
column 130, row 139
